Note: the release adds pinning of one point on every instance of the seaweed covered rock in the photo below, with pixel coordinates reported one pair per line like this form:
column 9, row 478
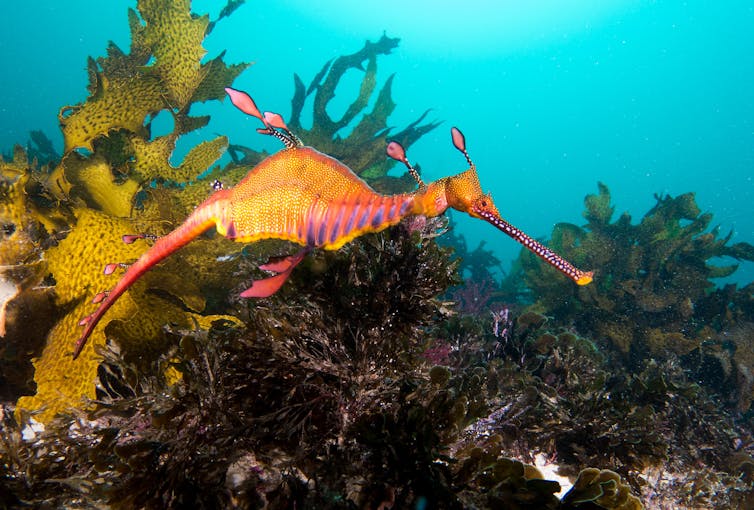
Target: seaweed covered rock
column 654, row 295
column 321, row 402
column 548, row 394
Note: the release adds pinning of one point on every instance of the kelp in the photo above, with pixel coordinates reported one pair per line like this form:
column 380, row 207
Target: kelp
column 655, row 295
column 136, row 322
column 29, row 223
column 127, row 92
column 110, row 169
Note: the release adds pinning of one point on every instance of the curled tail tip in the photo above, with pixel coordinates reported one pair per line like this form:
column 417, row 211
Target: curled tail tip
column 585, row 278
column 79, row 347
column 81, row 342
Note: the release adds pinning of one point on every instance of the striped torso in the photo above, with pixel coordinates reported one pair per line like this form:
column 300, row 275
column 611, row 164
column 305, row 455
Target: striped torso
column 309, row 198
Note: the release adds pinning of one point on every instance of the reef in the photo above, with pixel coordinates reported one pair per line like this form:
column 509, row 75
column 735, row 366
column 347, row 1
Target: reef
column 678, row 345
column 396, row 372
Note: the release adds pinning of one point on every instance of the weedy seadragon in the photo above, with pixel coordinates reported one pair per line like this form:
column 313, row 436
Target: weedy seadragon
column 312, row 199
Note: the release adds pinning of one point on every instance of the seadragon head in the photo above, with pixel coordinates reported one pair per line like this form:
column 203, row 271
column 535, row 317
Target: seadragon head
column 463, row 192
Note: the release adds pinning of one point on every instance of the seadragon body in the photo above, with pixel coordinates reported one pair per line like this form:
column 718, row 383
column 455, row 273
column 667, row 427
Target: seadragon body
column 314, row 200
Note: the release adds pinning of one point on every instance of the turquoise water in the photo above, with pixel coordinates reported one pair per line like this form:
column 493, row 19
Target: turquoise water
column 648, row 97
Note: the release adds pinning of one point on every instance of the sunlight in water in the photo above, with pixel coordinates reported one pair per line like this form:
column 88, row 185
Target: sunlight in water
column 477, row 27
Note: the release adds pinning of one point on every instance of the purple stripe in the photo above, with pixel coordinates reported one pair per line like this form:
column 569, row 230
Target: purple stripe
column 230, row 231
column 377, row 218
column 322, row 232
column 300, row 229
column 336, row 224
column 310, row 239
column 365, row 216
column 351, row 218
column 393, row 208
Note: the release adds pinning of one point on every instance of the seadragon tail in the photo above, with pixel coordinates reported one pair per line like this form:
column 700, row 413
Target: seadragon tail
column 202, row 219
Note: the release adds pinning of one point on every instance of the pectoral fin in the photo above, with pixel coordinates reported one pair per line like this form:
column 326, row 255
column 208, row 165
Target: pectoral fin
column 268, row 286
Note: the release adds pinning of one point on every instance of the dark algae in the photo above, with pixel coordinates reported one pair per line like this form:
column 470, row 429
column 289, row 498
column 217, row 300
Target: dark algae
column 398, row 371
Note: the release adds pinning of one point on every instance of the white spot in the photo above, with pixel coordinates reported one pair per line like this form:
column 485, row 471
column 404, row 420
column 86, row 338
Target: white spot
column 8, row 291
column 550, row 472
column 32, row 429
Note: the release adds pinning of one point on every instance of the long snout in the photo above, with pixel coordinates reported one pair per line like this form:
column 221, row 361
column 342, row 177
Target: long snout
column 542, row 251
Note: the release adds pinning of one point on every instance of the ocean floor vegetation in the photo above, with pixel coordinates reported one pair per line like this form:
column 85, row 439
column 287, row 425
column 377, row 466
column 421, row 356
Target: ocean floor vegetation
column 396, row 372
